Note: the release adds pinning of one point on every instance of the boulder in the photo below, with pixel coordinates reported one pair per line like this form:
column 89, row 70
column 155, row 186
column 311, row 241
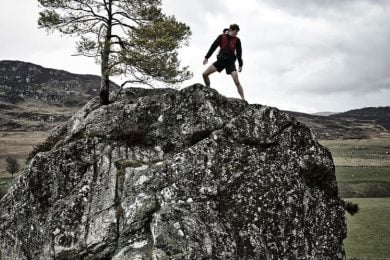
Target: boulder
column 175, row 174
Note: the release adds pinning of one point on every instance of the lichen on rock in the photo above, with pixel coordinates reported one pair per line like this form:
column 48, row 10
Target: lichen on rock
column 168, row 174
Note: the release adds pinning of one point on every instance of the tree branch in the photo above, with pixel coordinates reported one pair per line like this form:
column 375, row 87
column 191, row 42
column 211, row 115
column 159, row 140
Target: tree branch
column 128, row 82
column 119, row 22
column 91, row 11
column 86, row 55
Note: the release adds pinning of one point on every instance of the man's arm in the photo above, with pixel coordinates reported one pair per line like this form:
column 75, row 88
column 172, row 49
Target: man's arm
column 213, row 47
column 239, row 53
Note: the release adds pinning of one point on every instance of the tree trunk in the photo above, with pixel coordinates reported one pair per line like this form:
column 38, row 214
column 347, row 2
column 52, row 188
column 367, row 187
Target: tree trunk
column 104, row 84
column 105, row 70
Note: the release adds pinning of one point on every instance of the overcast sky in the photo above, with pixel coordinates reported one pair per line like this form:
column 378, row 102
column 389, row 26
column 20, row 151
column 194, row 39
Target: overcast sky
column 301, row 55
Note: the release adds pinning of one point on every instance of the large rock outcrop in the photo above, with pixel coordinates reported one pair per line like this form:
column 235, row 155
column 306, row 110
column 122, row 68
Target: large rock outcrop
column 167, row 174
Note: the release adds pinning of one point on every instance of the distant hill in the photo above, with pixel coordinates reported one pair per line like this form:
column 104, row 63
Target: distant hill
column 369, row 115
column 324, row 113
column 36, row 98
column 23, row 81
column 353, row 124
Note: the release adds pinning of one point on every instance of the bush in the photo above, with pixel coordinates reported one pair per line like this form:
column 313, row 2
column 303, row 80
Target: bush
column 12, row 165
column 351, row 208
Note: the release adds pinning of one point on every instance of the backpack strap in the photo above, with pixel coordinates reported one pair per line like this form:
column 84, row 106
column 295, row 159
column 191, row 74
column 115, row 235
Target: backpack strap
column 233, row 43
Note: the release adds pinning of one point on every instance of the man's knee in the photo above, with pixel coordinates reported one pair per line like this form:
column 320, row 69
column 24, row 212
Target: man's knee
column 235, row 79
column 209, row 70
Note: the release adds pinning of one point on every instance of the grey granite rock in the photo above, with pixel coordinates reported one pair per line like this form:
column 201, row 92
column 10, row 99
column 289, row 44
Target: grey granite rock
column 167, row 174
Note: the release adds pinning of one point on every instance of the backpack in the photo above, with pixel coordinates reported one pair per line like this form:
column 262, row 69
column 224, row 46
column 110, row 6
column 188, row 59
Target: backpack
column 227, row 48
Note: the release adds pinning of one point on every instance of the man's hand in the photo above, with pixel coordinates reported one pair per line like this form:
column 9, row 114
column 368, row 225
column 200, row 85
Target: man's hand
column 239, row 69
column 205, row 61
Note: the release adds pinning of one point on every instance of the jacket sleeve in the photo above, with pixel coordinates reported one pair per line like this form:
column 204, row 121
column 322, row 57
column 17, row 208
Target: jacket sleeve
column 239, row 52
column 213, row 47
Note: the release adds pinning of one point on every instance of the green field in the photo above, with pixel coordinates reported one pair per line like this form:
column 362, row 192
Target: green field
column 363, row 174
column 362, row 166
column 363, row 182
column 351, row 174
column 360, row 152
column 369, row 230
column 17, row 145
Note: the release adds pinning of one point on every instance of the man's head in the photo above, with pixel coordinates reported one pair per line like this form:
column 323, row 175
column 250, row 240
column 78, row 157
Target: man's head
column 233, row 29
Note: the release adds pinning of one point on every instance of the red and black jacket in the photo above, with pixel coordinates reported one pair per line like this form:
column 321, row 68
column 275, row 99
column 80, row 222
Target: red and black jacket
column 234, row 47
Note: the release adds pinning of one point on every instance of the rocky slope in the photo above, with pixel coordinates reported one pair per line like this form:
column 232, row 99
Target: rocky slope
column 36, row 98
column 23, row 81
column 166, row 174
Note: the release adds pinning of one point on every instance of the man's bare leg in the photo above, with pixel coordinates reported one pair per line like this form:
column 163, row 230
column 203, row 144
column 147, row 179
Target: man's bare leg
column 238, row 85
column 211, row 69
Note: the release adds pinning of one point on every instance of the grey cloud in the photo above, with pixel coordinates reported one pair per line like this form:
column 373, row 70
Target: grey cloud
column 325, row 56
column 293, row 49
column 195, row 11
column 324, row 7
column 298, row 54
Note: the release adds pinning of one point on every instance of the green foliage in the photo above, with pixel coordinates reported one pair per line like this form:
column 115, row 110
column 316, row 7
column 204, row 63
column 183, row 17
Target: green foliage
column 351, row 208
column 86, row 45
column 130, row 37
column 151, row 49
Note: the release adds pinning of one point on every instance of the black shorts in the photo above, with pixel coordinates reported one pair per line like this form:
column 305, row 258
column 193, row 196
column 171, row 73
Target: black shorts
column 228, row 65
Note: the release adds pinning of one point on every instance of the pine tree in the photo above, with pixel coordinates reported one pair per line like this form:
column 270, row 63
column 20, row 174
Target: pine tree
column 127, row 37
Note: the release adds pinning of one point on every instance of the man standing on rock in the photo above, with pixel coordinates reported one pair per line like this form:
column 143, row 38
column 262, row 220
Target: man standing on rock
column 230, row 50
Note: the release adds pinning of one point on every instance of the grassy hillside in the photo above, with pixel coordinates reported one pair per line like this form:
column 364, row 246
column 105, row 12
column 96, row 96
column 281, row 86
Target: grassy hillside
column 371, row 115
column 334, row 128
